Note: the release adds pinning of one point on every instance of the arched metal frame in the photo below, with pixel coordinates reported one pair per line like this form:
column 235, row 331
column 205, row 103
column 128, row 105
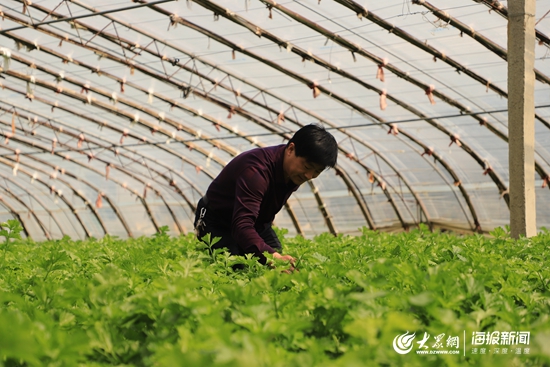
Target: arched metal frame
column 254, row 105
column 239, row 111
column 173, row 103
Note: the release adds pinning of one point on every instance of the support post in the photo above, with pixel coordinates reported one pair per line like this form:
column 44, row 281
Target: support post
column 521, row 117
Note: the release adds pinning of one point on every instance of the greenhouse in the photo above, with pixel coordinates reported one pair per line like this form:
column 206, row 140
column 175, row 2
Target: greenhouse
column 116, row 116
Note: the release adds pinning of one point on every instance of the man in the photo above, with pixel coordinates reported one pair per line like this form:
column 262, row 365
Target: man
column 240, row 204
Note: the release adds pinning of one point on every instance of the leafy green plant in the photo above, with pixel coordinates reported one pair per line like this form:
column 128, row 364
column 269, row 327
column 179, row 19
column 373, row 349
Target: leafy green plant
column 175, row 301
column 10, row 230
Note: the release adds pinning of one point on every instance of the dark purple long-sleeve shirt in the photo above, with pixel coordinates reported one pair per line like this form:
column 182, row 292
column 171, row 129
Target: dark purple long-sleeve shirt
column 247, row 194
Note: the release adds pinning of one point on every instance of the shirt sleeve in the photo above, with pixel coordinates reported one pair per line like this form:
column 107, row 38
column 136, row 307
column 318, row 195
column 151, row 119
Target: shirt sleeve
column 250, row 190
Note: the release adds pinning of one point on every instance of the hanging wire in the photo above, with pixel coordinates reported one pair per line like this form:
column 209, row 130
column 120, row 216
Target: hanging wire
column 355, row 126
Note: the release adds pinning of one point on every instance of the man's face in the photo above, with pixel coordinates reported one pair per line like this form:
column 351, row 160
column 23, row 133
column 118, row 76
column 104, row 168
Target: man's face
column 298, row 169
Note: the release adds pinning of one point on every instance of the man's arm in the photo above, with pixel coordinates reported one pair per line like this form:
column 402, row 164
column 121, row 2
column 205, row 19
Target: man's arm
column 250, row 190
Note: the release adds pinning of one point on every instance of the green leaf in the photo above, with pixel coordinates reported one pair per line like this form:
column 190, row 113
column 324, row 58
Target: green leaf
column 422, row 299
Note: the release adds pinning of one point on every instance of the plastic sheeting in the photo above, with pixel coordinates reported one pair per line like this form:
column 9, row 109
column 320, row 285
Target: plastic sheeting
column 116, row 115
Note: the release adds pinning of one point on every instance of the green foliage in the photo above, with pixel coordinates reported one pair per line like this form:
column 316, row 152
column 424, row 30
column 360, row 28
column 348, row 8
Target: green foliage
column 175, row 301
column 9, row 230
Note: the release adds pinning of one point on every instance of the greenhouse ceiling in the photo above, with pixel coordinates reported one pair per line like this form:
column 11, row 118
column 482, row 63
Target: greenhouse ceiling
column 116, row 115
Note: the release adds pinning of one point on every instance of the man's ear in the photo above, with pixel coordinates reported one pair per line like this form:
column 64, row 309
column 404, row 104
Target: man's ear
column 291, row 148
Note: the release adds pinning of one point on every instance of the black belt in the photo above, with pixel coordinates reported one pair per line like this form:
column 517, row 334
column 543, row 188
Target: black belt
column 200, row 225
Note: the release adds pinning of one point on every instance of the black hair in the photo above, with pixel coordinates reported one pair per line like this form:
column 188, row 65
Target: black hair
column 316, row 145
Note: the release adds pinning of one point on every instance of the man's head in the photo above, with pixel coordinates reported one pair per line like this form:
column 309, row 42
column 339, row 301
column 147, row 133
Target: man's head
column 308, row 153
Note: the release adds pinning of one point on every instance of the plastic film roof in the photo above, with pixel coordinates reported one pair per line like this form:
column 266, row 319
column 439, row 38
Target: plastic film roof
column 116, row 115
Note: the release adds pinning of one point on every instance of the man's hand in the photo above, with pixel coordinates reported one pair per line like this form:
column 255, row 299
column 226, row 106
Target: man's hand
column 289, row 258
